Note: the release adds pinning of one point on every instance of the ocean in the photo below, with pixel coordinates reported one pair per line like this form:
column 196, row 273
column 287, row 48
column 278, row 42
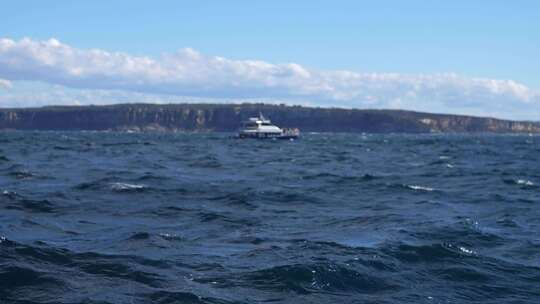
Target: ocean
column 104, row 217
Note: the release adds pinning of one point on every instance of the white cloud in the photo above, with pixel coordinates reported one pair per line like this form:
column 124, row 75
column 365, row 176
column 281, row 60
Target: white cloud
column 189, row 73
column 35, row 94
column 6, row 84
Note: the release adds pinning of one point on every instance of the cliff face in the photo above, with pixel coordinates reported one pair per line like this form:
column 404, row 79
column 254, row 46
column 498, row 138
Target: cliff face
column 226, row 117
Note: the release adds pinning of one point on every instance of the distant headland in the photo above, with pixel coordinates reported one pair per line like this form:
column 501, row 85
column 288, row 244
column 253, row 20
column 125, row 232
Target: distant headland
column 226, row 117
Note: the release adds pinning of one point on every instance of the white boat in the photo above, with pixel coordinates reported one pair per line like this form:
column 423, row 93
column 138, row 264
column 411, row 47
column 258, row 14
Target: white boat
column 260, row 127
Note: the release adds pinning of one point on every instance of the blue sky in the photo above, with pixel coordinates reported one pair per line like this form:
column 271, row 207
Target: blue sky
column 468, row 40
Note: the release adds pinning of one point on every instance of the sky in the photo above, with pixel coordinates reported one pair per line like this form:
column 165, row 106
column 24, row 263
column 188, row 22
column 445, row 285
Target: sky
column 464, row 57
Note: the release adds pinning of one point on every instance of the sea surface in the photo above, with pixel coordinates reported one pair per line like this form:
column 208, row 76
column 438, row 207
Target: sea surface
column 97, row 217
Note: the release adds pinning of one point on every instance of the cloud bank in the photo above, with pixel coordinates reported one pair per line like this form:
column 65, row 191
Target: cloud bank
column 6, row 84
column 190, row 73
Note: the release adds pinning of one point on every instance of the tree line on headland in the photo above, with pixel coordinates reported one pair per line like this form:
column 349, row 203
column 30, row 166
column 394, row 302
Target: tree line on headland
column 226, row 118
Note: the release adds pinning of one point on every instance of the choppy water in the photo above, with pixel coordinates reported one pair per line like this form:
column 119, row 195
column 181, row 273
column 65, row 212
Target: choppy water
column 201, row 218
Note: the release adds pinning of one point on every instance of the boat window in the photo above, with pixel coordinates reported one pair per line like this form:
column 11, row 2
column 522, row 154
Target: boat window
column 266, row 124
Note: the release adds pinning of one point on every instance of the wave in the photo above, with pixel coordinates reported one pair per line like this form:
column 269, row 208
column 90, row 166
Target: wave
column 524, row 183
column 147, row 236
column 411, row 187
column 140, row 236
column 168, row 211
column 125, row 187
column 241, row 199
column 461, row 236
column 128, row 143
column 434, row 253
column 208, row 162
column 167, row 296
column 22, row 174
column 203, row 219
column 63, row 148
column 212, row 217
column 307, row 279
column 290, row 197
column 34, row 206
column 462, row 274
column 111, row 266
column 171, row 236
column 419, row 188
column 12, row 195
column 121, row 271
column 13, row 278
column 19, row 202
column 150, row 176
column 115, row 186
column 94, row 185
column 339, row 179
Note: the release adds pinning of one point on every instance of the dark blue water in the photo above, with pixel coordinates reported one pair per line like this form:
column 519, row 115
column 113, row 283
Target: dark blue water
column 201, row 218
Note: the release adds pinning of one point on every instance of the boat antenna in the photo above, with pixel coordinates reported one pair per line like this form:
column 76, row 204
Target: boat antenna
column 261, row 116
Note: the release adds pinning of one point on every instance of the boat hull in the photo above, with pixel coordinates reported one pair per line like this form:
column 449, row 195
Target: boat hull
column 267, row 136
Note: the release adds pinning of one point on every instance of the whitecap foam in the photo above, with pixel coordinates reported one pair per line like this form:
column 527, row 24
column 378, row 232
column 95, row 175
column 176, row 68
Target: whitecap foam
column 170, row 236
column 10, row 194
column 419, row 188
column 524, row 182
column 126, row 187
column 465, row 250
